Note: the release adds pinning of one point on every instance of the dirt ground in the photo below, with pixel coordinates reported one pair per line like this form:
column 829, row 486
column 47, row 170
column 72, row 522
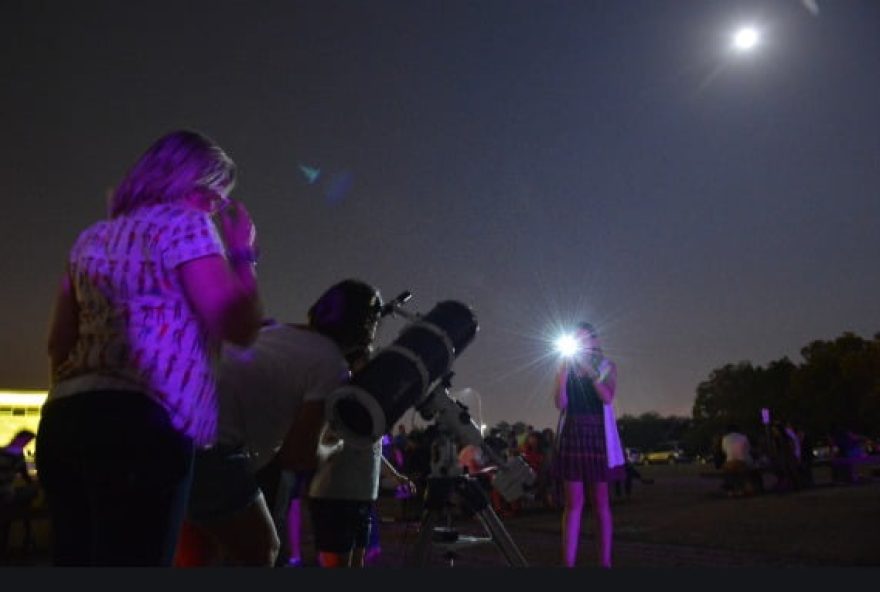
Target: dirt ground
column 681, row 520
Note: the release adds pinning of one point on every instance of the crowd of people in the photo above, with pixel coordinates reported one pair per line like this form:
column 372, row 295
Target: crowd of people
column 410, row 453
column 784, row 451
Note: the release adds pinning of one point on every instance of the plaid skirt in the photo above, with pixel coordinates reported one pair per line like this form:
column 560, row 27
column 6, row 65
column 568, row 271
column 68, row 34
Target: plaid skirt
column 580, row 451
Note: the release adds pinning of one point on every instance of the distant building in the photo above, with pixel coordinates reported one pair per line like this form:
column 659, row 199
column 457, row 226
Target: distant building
column 20, row 410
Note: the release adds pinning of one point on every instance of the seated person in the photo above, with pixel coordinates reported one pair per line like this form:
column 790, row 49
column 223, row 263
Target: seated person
column 849, row 446
column 784, row 457
column 738, row 466
column 13, row 465
column 472, row 460
column 17, row 488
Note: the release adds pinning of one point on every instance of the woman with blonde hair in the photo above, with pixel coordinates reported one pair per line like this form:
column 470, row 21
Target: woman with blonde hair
column 146, row 299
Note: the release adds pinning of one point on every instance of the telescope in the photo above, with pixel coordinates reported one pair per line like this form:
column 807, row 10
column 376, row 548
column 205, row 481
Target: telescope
column 447, row 480
column 402, row 374
column 415, row 371
column 513, row 477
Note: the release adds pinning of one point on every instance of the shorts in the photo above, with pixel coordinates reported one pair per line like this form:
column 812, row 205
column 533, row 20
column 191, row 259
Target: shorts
column 340, row 526
column 280, row 486
column 223, row 484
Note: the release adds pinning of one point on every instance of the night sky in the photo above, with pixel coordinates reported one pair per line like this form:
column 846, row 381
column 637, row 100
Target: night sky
column 544, row 162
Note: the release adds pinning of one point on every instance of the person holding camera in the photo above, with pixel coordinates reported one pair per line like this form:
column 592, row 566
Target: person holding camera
column 585, row 383
column 148, row 296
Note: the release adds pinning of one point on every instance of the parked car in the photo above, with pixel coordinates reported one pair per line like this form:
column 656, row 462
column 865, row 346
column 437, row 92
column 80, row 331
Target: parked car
column 667, row 453
column 634, row 456
column 704, row 458
column 824, row 452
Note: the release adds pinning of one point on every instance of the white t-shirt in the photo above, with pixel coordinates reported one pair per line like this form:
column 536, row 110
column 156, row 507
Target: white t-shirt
column 260, row 388
column 736, row 447
column 350, row 473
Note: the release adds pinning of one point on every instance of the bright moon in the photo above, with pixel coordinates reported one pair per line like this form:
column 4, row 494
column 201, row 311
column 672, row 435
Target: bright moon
column 745, row 39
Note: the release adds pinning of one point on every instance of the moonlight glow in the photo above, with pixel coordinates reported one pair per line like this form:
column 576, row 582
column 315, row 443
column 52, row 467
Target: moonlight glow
column 745, row 39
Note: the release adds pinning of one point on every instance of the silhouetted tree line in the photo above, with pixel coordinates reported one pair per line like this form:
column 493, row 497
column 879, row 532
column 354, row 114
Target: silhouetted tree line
column 648, row 430
column 837, row 386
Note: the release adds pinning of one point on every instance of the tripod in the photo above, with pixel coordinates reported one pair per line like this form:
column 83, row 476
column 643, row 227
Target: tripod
column 445, row 481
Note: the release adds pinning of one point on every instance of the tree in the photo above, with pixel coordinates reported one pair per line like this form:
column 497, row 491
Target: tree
column 733, row 394
column 836, row 386
column 648, row 430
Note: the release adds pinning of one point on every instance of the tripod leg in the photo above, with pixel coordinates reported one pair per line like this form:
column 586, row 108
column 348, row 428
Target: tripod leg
column 477, row 501
column 501, row 537
column 437, row 495
column 423, row 542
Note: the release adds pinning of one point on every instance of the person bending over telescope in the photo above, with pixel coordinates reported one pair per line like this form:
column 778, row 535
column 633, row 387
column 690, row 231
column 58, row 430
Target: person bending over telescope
column 271, row 413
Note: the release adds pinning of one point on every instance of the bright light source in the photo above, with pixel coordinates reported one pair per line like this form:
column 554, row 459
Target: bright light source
column 746, row 38
column 23, row 398
column 567, row 346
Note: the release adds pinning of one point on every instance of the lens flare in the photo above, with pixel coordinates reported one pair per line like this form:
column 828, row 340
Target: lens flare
column 567, row 346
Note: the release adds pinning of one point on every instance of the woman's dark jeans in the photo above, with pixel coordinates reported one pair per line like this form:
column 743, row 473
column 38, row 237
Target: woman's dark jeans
column 116, row 475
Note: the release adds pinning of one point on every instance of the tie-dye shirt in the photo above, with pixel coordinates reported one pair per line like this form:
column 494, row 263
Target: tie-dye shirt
column 137, row 330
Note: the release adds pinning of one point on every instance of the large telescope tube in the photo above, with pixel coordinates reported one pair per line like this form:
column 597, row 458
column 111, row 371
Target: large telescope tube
column 400, row 375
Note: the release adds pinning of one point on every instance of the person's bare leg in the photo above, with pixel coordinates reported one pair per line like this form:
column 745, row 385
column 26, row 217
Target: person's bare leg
column 604, row 529
column 248, row 537
column 196, row 547
column 571, row 521
column 358, row 557
column 294, row 538
column 330, row 559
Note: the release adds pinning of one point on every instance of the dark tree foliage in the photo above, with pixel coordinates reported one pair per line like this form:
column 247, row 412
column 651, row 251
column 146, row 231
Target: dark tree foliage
column 837, row 386
column 649, row 430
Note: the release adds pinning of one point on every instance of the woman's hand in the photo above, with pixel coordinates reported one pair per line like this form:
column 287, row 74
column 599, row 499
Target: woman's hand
column 236, row 227
column 329, row 443
column 606, row 380
column 405, row 487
